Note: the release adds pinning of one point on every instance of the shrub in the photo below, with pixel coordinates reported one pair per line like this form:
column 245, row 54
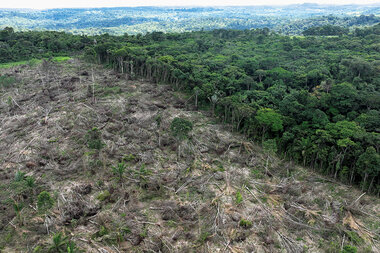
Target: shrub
column 180, row 128
column 93, row 138
column 58, row 243
column 44, row 201
column 7, row 81
column 349, row 249
column 20, row 176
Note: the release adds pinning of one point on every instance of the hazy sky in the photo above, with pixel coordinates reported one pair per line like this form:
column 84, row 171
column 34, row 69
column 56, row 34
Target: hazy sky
column 43, row 4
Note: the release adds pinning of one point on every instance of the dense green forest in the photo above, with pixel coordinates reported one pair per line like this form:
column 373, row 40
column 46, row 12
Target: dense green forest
column 313, row 99
column 290, row 19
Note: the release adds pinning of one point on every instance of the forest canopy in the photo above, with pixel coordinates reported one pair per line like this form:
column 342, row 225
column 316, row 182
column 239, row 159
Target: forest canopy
column 285, row 19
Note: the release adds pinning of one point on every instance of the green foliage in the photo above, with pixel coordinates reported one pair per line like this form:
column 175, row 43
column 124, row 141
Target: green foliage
column 18, row 208
column 270, row 146
column 142, row 174
column 369, row 162
column 101, row 232
column 20, row 176
column 129, row 158
column 59, row 243
column 125, row 230
column 332, row 247
column 180, row 128
column 22, row 184
column 158, row 120
column 61, row 58
column 327, row 30
column 203, row 237
column 354, row 237
column 349, row 249
column 269, row 119
column 6, row 81
column 119, row 170
column 245, row 223
column 44, row 201
column 118, row 21
column 103, row 195
column 71, row 247
column 238, row 198
column 30, row 182
column 93, row 138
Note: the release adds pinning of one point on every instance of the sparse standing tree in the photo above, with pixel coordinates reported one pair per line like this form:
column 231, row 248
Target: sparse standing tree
column 180, row 129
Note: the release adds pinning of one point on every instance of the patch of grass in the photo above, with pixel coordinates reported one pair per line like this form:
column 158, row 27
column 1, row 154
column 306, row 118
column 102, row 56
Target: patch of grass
column 219, row 164
column 129, row 158
column 125, row 230
column 18, row 63
column 7, row 81
column 144, row 233
column 8, row 237
column 103, row 195
column 203, row 237
column 95, row 163
column 142, row 174
column 61, row 58
column 320, row 202
column 333, row 247
column 101, row 232
column 239, row 198
column 354, row 237
column 264, row 199
column 32, row 62
column 245, row 223
column 107, row 91
column 171, row 223
column 44, row 201
column 349, row 249
column 257, row 173
column 52, row 140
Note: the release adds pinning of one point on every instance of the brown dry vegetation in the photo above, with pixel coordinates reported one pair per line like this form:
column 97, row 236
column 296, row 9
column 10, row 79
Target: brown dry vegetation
column 223, row 194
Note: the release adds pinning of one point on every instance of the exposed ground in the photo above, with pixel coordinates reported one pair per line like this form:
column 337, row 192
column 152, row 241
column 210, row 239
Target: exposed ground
column 223, row 194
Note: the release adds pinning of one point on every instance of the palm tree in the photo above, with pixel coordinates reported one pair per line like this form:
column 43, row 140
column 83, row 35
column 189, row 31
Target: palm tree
column 59, row 241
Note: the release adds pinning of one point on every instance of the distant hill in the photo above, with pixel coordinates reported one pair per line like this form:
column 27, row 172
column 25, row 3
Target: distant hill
column 291, row 19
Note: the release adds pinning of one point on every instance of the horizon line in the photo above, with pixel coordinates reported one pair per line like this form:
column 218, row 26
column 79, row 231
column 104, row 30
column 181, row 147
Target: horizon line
column 377, row 4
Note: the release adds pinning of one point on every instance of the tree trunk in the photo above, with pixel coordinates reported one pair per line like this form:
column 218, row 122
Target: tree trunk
column 196, row 101
column 352, row 176
column 93, row 86
column 371, row 184
column 364, row 181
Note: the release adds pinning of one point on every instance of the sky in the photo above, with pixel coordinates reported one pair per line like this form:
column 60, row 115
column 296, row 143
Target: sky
column 48, row 4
